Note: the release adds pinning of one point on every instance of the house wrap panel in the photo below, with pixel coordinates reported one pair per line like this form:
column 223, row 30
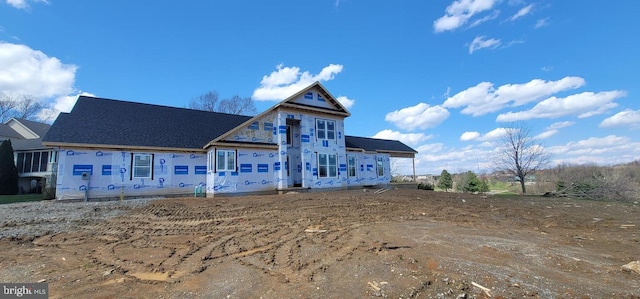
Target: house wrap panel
column 110, row 174
column 256, row 171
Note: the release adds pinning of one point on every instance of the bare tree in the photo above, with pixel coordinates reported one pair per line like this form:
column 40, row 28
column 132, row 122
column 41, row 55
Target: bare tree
column 237, row 105
column 206, row 102
column 19, row 106
column 234, row 105
column 6, row 107
column 28, row 107
column 520, row 153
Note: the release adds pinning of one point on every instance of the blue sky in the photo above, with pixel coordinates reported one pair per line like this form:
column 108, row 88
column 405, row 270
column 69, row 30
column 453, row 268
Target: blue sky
column 445, row 77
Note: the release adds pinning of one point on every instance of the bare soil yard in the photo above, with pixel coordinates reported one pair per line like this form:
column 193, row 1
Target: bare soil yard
column 343, row 244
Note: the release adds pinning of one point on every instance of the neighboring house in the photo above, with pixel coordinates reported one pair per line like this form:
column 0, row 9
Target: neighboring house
column 34, row 161
column 111, row 148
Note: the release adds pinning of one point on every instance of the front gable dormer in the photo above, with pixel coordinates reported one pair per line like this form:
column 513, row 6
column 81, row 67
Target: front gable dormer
column 315, row 98
column 261, row 128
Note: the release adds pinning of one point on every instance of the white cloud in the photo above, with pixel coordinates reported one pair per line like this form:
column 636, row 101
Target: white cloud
column 560, row 125
column 410, row 139
column 480, row 42
column 23, row 4
column 522, row 12
column 493, row 15
column 489, row 136
column 467, row 136
column 420, row 116
column 542, row 23
column 494, row 134
column 546, row 134
column 434, row 158
column 608, row 150
column 31, row 72
column 626, row 118
column 459, row 12
column 553, row 129
column 346, row 102
column 430, row 148
column 513, row 42
column 584, row 104
column 484, row 98
column 286, row 81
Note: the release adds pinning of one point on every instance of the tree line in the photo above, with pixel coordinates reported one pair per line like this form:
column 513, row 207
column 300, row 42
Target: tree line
column 589, row 181
column 210, row 101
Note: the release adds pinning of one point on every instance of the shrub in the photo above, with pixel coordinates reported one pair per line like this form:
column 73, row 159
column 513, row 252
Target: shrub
column 426, row 186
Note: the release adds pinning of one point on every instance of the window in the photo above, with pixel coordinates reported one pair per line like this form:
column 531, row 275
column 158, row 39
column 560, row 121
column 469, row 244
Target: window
column 226, row 160
column 142, row 166
column 331, row 130
column 32, row 162
column 44, row 159
column 351, row 167
column 326, row 129
column 20, row 162
column 27, row 162
column 327, row 166
column 380, row 166
column 211, row 164
column 289, row 135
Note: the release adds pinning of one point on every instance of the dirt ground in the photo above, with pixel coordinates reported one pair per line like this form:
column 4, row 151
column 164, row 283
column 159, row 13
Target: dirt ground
column 343, row 244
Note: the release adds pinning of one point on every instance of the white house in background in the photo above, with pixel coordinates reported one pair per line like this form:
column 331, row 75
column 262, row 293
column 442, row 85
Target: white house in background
column 112, row 148
column 34, row 161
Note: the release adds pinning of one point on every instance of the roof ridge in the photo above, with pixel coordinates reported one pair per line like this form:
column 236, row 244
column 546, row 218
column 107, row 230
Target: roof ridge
column 161, row 106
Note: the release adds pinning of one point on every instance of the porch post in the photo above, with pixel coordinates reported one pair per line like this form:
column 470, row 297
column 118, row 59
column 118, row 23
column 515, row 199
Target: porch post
column 413, row 160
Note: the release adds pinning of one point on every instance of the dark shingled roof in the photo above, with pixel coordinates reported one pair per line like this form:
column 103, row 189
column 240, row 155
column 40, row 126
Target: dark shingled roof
column 101, row 121
column 379, row 145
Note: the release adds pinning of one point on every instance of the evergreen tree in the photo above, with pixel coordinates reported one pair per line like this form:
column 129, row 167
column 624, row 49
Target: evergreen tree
column 484, row 186
column 445, row 181
column 472, row 182
column 8, row 170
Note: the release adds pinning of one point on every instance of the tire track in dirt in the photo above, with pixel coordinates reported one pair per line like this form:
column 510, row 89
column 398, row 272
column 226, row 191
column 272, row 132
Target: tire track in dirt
column 188, row 240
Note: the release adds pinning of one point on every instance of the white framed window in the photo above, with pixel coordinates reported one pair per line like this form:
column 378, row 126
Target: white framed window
column 32, row 161
column 225, row 160
column 351, row 165
column 380, row 166
column 325, row 129
column 211, row 161
column 142, row 165
column 327, row 166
